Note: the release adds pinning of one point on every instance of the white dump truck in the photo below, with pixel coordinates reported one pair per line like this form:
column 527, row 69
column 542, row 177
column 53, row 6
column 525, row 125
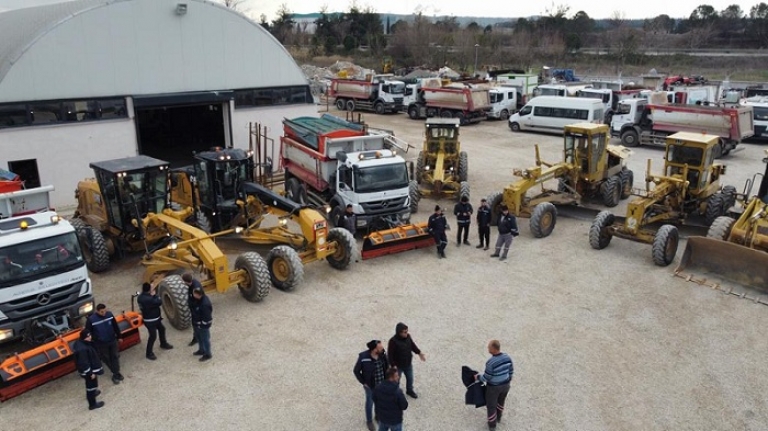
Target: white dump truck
column 330, row 161
column 381, row 94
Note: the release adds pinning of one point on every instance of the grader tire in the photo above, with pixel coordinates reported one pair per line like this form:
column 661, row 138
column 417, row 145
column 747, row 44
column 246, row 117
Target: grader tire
column 665, row 245
column 494, row 200
column 256, row 283
column 463, row 166
column 175, row 296
column 94, row 246
column 463, row 190
column 627, row 182
column 201, row 221
column 419, row 167
column 414, row 196
column 715, row 207
column 543, row 219
column 285, row 267
column 721, row 228
column 611, row 191
column 599, row 236
column 730, row 200
column 345, row 248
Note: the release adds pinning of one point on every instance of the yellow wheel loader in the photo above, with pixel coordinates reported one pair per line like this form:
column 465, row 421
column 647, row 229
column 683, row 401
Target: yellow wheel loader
column 591, row 169
column 689, row 187
column 441, row 167
column 219, row 189
column 735, row 248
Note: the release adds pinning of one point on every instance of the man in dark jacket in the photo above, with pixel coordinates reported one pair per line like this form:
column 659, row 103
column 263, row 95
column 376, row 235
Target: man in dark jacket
column 369, row 371
column 463, row 212
column 401, row 350
column 149, row 304
column 348, row 220
column 103, row 328
column 390, row 402
column 437, row 225
column 89, row 367
column 484, row 224
column 202, row 319
column 191, row 283
column 507, row 224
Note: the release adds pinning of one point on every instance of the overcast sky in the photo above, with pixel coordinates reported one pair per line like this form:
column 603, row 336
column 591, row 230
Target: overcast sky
column 482, row 8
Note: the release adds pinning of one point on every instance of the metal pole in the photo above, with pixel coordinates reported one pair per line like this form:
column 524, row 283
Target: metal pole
column 475, row 69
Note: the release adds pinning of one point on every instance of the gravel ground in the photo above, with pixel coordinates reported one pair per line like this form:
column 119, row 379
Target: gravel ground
column 602, row 340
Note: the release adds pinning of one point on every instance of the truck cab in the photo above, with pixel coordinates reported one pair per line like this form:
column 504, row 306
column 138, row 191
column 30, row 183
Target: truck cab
column 504, row 102
column 389, row 90
column 628, row 112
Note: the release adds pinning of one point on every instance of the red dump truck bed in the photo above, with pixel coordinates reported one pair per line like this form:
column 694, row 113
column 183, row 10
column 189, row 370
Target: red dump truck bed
column 734, row 123
column 465, row 99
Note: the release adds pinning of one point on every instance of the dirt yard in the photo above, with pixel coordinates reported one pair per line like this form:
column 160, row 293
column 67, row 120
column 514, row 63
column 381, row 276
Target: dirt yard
column 602, row 340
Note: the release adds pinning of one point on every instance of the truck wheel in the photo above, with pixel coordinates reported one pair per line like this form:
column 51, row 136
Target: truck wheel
column 504, row 115
column 414, row 195
column 379, row 108
column 543, row 219
column 345, row 248
column 611, row 191
column 295, row 191
column 515, row 127
column 350, row 105
column 94, row 246
column 285, row 267
column 721, row 228
column 715, row 207
column 341, row 104
column 495, row 201
column 464, row 189
column 419, row 167
column 333, row 217
column 730, row 197
column 718, row 149
column 255, row 282
column 445, row 113
column 665, row 245
column 608, row 117
column 630, row 138
column 174, row 294
column 462, row 118
column 599, row 234
column 627, row 182
column 413, row 112
column 463, row 166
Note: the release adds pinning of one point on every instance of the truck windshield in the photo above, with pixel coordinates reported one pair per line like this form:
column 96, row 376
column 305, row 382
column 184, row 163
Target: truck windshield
column 396, row 88
column 497, row 97
column 760, row 113
column 551, row 92
column 590, row 95
column 623, row 109
column 28, row 261
column 379, row 178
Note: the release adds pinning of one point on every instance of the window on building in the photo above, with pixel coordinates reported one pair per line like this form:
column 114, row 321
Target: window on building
column 272, row 96
column 13, row 114
column 60, row 111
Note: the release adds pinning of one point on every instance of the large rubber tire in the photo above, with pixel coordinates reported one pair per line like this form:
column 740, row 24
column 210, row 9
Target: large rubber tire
column 599, row 236
column 341, row 104
column 504, row 115
column 285, row 267
column 350, row 105
column 495, row 201
column 730, row 200
column 665, row 245
column 463, row 190
column 462, row 118
column 463, row 166
column 627, row 182
column 717, row 150
column 175, row 296
column 721, row 228
column 543, row 219
column 445, row 113
column 413, row 113
column 715, row 207
column 630, row 138
column 419, row 167
column 335, row 214
column 611, row 190
column 256, row 283
column 515, row 127
column 379, row 108
column 345, row 248
column 414, row 195
column 295, row 191
column 94, row 246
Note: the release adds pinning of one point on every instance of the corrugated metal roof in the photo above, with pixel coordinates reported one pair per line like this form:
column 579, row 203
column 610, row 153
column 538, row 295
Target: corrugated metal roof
column 20, row 28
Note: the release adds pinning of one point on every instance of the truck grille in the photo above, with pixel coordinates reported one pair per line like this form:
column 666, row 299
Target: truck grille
column 41, row 303
column 387, row 206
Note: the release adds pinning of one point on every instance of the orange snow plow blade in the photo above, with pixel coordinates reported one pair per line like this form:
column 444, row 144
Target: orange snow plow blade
column 37, row 366
column 396, row 239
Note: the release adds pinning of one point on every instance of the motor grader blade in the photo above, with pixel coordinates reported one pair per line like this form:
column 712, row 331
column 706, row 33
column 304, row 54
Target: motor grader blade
column 24, row 371
column 709, row 257
column 396, row 239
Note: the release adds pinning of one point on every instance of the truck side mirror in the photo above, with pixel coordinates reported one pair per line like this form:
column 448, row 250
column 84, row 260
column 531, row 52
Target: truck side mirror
column 342, row 156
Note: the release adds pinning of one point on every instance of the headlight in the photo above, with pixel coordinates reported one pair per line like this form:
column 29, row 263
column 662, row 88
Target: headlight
column 6, row 334
column 283, row 221
column 173, row 245
column 85, row 309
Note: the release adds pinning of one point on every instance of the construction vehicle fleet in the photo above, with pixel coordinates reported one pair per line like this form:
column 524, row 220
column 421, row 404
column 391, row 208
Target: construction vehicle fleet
column 380, row 94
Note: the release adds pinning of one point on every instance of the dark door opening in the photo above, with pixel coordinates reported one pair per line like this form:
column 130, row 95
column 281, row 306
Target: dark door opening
column 27, row 170
column 172, row 133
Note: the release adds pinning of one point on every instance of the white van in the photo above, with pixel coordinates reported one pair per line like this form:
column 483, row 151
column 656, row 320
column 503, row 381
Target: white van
column 552, row 113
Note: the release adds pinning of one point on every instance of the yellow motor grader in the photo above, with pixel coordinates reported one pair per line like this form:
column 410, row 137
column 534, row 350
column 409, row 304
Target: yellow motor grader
column 441, row 167
column 690, row 186
column 591, row 169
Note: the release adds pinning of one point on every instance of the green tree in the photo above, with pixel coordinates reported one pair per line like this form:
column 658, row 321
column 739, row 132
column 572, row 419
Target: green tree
column 758, row 28
column 283, row 25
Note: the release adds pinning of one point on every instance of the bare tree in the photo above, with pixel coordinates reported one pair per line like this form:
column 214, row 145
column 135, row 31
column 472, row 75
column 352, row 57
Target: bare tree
column 234, row 5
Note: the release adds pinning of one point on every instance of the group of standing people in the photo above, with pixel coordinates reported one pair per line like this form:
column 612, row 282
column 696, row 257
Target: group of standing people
column 506, row 222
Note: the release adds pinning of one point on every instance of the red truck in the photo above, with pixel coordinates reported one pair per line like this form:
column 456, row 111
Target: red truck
column 468, row 104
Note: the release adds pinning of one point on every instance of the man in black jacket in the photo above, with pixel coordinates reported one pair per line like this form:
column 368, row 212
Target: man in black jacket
column 507, row 224
column 89, row 367
column 103, row 328
column 463, row 212
column 437, row 225
column 149, row 304
column 348, row 220
column 401, row 349
column 191, row 283
column 390, row 402
column 484, row 224
column 369, row 371
column 202, row 319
